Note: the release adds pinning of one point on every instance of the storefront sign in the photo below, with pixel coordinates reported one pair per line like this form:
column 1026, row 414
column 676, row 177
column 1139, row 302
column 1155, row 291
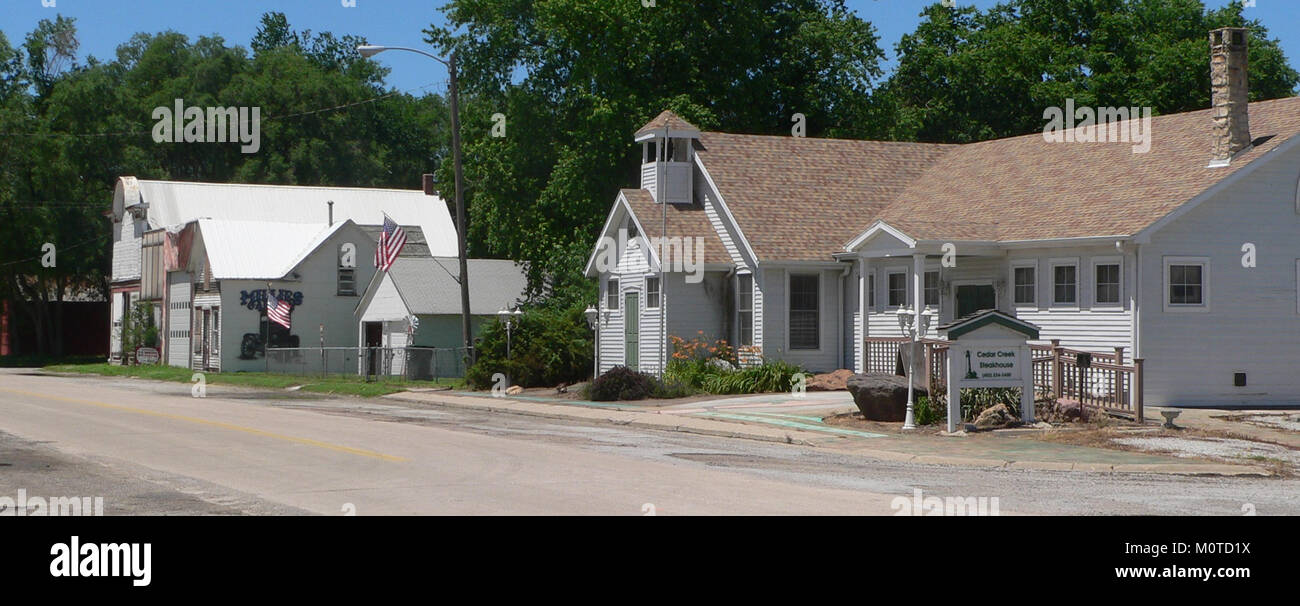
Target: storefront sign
column 992, row 364
column 256, row 299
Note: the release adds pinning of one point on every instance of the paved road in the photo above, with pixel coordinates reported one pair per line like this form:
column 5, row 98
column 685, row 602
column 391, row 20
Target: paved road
column 149, row 447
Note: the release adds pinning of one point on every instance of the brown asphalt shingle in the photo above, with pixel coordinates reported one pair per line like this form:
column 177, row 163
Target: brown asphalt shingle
column 804, row 199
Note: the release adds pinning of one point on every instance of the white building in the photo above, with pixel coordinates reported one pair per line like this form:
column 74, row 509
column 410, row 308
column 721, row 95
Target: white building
column 1187, row 256
column 247, row 235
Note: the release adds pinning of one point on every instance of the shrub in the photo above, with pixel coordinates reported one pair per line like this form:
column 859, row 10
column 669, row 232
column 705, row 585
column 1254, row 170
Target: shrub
column 623, row 383
column 710, row 377
column 930, row 411
column 548, row 346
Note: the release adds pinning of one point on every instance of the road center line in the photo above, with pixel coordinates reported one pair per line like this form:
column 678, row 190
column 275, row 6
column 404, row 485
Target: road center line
column 218, row 424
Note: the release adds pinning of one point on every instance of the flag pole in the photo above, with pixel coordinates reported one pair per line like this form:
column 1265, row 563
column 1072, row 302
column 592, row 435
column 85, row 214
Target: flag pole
column 266, row 341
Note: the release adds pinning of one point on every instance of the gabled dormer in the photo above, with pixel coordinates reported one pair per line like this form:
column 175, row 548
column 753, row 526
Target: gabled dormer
column 667, row 155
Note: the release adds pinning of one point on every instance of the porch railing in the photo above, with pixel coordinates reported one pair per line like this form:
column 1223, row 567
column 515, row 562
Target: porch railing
column 1106, row 383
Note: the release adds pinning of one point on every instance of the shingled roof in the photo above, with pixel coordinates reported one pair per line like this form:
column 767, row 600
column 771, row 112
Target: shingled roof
column 804, row 199
column 666, row 120
column 683, row 220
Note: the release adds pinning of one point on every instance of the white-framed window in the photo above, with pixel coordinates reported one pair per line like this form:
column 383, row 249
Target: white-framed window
column 805, row 311
column 1065, row 282
column 1187, row 284
column 1107, row 282
column 1024, row 283
column 744, row 309
column 652, row 292
column 932, row 289
column 896, row 288
column 611, row 295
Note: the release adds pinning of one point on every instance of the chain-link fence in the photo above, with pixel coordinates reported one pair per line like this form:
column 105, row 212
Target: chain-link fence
column 405, row 363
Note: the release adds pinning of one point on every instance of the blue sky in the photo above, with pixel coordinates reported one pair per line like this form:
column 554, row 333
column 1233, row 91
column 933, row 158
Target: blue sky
column 103, row 24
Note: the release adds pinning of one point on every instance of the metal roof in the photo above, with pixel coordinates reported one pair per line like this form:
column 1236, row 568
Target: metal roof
column 260, row 250
column 176, row 202
column 429, row 287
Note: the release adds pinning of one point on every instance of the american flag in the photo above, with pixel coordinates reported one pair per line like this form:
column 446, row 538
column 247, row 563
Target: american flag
column 391, row 241
column 277, row 310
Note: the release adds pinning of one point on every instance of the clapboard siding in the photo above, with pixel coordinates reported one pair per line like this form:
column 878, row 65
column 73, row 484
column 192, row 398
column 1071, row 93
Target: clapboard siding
column 776, row 319
column 1252, row 325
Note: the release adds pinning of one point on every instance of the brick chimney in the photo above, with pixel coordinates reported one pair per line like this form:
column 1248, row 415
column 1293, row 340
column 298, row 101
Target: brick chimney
column 1229, row 93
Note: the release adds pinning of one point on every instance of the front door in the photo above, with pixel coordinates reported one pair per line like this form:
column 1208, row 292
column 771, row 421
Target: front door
column 974, row 297
column 374, row 335
column 631, row 330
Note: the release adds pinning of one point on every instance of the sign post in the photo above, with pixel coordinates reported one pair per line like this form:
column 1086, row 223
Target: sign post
column 989, row 349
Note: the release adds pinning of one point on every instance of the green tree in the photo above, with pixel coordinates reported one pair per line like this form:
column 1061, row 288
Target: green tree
column 968, row 75
column 575, row 78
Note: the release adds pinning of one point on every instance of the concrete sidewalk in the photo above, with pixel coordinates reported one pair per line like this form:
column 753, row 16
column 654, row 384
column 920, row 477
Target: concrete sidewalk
column 799, row 422
column 1221, row 420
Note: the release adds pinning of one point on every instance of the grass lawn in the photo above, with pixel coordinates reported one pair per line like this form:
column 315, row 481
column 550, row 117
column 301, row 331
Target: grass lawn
column 335, row 384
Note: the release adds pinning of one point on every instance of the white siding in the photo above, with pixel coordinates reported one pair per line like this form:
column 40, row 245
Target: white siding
column 776, row 317
column 126, row 248
column 386, row 304
column 1253, row 325
column 178, row 319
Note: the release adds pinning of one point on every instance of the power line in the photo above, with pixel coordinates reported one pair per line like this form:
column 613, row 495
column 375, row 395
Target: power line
column 131, row 133
column 56, row 248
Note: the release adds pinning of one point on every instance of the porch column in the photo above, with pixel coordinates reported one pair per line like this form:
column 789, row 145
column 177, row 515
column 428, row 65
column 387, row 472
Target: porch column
column 860, row 336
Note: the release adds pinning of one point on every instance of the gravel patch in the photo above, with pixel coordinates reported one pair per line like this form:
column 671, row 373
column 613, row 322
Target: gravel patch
column 1217, row 448
column 1287, row 422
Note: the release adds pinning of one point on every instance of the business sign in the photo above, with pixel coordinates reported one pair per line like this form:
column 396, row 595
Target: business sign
column 147, row 355
column 992, row 364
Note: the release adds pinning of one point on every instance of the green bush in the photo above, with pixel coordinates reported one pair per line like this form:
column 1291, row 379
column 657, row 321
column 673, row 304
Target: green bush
column 711, row 377
column 930, row 412
column 623, row 383
column 548, row 346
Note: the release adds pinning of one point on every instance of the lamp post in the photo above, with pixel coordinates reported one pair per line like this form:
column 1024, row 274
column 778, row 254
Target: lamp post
column 508, row 318
column 914, row 330
column 593, row 320
column 461, row 228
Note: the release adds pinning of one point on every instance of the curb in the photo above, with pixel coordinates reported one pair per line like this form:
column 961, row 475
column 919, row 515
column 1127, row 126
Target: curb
column 724, row 429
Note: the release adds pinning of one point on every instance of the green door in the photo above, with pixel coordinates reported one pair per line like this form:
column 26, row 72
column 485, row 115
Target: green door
column 631, row 330
column 975, row 297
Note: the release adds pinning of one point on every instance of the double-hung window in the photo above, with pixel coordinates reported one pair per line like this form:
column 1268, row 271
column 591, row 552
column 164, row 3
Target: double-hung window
column 805, row 319
column 1187, row 283
column 745, row 309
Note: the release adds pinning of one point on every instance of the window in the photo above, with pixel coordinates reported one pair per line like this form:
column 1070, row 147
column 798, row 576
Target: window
column 1107, row 283
column 932, row 289
column 1065, row 284
column 347, row 274
column 804, row 312
column 611, row 295
column 1187, row 282
column 216, row 331
column 1025, row 287
column 652, row 292
column 745, row 310
column 871, row 292
column 897, row 285
column 631, row 232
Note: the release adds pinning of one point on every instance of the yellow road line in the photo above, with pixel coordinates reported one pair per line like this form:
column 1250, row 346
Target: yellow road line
column 219, row 424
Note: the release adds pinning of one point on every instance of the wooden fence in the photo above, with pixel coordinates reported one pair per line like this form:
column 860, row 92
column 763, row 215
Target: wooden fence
column 1105, row 383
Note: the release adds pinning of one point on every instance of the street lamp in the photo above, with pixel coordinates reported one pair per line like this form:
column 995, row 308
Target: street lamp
column 369, row 50
column 508, row 318
column 907, row 323
column 593, row 320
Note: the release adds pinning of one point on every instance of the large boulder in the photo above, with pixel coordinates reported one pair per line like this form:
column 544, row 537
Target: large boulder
column 831, row 381
column 996, row 416
column 881, row 396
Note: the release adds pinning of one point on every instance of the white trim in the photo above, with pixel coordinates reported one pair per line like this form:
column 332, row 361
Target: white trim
column 645, row 279
column 1204, row 306
column 876, row 228
column 789, row 309
column 1106, row 260
column 722, row 201
column 1012, row 265
column 735, row 311
column 935, row 268
column 606, row 290
column 1144, row 236
column 1052, row 264
column 895, row 269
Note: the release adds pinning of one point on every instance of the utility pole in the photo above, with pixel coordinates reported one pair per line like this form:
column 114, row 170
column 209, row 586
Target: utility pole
column 461, row 226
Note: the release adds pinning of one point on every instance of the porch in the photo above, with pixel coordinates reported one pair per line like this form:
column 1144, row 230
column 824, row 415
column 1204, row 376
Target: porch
column 1098, row 380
